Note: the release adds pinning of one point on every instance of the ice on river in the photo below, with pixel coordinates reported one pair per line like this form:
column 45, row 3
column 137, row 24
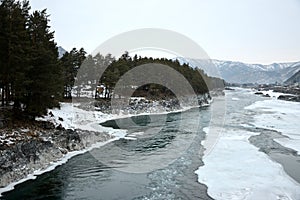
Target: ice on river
column 235, row 169
column 282, row 116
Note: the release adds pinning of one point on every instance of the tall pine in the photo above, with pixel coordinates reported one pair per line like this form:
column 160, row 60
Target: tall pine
column 45, row 74
column 14, row 41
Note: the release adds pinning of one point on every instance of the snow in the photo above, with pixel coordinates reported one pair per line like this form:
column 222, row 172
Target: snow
column 236, row 170
column 10, row 138
column 282, row 116
column 273, row 94
column 76, row 118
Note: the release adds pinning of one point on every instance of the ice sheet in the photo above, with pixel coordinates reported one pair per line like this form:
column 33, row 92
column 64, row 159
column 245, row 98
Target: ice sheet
column 282, row 116
column 236, row 170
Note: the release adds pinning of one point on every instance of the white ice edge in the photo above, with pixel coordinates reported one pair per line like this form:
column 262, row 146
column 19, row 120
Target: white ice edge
column 281, row 116
column 69, row 109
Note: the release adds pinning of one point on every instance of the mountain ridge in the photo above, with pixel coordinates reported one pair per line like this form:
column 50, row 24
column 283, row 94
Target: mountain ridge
column 239, row 72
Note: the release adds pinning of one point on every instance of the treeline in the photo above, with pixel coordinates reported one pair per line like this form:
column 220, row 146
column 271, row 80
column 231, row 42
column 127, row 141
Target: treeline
column 89, row 66
column 30, row 74
column 200, row 82
column 33, row 78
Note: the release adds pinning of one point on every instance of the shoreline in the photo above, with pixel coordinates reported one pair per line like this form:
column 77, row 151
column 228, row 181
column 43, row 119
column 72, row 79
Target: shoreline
column 53, row 165
column 285, row 93
column 89, row 127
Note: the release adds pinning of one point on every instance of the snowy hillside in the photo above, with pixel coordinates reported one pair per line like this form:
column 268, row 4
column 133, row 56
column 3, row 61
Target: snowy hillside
column 238, row 72
column 294, row 79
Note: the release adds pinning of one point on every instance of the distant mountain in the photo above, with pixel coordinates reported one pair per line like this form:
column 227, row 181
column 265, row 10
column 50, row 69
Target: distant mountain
column 61, row 51
column 293, row 79
column 238, row 72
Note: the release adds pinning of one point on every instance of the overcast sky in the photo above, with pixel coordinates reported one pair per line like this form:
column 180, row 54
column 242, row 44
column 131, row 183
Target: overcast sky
column 252, row 31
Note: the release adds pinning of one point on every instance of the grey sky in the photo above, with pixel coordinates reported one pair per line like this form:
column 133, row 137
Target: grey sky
column 253, row 31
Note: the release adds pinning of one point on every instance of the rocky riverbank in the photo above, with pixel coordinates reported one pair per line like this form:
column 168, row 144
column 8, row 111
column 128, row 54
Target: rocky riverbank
column 140, row 105
column 24, row 150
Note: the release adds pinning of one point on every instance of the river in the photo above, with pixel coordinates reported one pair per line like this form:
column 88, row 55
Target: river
column 161, row 153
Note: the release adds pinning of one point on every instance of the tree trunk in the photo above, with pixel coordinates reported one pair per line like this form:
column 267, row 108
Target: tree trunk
column 105, row 94
column 6, row 95
column 2, row 96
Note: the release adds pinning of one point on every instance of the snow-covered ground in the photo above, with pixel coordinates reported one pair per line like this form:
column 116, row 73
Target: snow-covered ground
column 72, row 117
column 282, row 116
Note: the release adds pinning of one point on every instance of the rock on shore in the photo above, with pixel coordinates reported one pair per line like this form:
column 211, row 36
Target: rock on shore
column 287, row 93
column 25, row 150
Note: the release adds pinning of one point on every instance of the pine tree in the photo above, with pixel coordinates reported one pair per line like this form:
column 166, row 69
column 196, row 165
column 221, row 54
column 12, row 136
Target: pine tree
column 71, row 62
column 14, row 42
column 45, row 74
column 30, row 75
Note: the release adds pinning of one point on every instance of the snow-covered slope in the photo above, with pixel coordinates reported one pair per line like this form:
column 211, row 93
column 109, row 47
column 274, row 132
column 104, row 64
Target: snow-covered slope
column 294, row 79
column 61, row 51
column 238, row 72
